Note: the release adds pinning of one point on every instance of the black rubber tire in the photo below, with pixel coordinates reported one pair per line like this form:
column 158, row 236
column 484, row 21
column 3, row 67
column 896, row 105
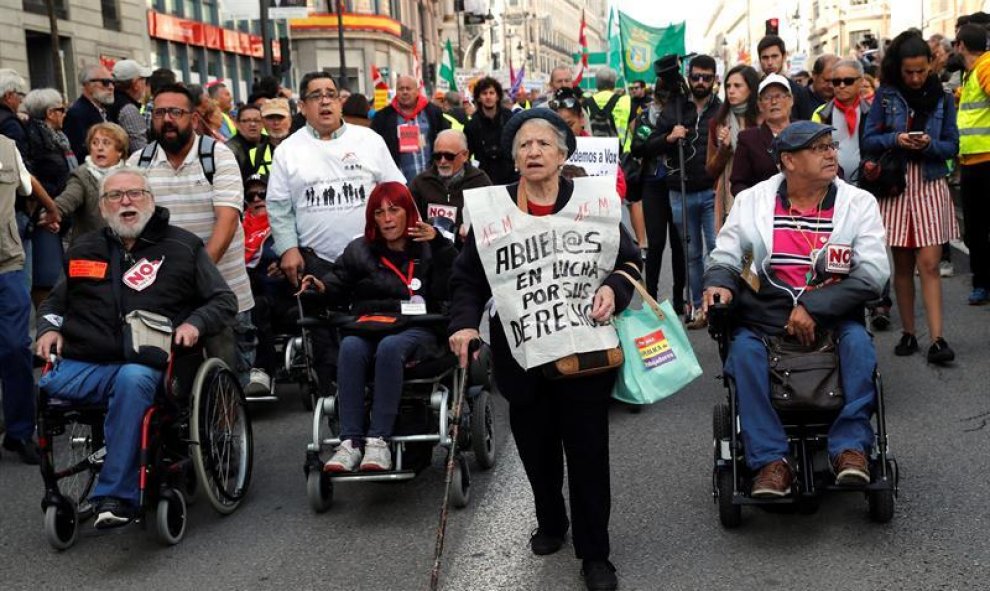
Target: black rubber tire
column 171, row 517
column 728, row 514
column 61, row 525
column 319, row 490
column 881, row 503
column 460, row 484
column 483, row 431
column 219, row 427
column 721, row 421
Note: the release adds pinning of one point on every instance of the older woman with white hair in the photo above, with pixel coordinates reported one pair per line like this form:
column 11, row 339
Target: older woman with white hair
column 525, row 237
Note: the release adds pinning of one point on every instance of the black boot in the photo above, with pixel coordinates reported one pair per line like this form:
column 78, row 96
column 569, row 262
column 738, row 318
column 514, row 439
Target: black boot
column 599, row 575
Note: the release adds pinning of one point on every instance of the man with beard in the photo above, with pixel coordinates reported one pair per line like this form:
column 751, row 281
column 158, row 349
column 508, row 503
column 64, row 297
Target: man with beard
column 484, row 132
column 409, row 126
column 80, row 322
column 90, row 108
column 198, row 180
column 686, row 119
column 130, row 81
column 278, row 121
column 249, row 126
column 439, row 190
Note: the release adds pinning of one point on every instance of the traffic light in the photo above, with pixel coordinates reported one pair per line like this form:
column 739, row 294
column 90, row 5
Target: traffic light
column 773, row 26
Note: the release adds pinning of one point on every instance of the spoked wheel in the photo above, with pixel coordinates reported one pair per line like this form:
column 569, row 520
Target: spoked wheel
column 319, row 490
column 77, row 457
column 483, row 431
column 220, row 436
column 460, row 484
column 61, row 524
column 170, row 517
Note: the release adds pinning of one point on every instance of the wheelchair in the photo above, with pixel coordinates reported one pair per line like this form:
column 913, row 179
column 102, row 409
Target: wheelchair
column 195, row 442
column 807, row 434
column 295, row 348
column 425, row 420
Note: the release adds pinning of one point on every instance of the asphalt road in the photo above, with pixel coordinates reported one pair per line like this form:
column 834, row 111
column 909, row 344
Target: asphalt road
column 665, row 530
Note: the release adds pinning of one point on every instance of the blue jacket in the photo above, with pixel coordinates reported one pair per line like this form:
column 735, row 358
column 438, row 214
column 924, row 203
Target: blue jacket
column 888, row 117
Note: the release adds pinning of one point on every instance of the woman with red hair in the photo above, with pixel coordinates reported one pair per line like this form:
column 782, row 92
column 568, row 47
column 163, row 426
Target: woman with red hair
column 400, row 266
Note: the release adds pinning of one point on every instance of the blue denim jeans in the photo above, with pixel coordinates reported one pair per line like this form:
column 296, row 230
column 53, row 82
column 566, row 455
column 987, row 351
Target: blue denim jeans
column 15, row 356
column 762, row 433
column 94, row 383
column 390, row 355
column 700, row 224
column 23, row 221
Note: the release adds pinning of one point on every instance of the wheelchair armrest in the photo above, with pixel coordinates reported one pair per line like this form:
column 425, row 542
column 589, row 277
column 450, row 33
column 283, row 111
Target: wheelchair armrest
column 719, row 320
column 429, row 320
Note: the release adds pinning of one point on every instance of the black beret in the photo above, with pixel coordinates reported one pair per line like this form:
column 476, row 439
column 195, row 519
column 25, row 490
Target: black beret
column 517, row 120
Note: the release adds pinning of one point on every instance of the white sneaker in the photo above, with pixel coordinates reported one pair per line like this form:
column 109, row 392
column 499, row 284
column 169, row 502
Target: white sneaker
column 345, row 458
column 260, row 384
column 377, row 457
column 946, row 269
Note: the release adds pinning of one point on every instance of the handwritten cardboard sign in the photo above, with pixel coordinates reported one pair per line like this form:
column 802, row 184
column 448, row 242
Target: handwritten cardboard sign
column 598, row 156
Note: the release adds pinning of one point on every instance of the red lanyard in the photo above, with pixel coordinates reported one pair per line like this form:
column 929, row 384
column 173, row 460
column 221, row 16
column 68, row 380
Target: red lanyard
column 405, row 280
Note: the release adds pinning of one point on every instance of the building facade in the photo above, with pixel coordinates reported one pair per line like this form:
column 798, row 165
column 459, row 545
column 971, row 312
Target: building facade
column 89, row 32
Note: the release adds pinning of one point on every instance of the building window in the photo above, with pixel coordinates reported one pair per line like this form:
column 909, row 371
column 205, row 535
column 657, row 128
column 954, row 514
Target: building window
column 111, row 15
column 211, row 12
column 214, row 66
column 38, row 7
column 856, row 37
column 163, row 59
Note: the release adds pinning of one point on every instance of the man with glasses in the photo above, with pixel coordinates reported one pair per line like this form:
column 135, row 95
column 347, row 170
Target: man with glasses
column 249, row 126
column 846, row 113
column 90, row 108
column 439, row 190
column 321, row 178
column 13, row 89
column 278, row 121
column 409, row 126
column 198, row 180
column 818, row 246
column 80, row 322
column 130, row 81
column 686, row 119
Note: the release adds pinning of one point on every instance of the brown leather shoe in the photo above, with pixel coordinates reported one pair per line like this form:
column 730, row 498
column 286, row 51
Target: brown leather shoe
column 773, row 481
column 851, row 468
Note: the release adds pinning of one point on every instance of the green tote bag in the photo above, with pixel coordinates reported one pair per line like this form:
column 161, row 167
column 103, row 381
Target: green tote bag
column 659, row 360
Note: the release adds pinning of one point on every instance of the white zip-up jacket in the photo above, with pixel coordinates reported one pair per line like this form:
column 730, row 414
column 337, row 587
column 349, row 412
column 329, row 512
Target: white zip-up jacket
column 833, row 296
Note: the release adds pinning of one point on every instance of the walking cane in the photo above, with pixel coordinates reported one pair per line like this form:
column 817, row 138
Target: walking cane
column 460, row 385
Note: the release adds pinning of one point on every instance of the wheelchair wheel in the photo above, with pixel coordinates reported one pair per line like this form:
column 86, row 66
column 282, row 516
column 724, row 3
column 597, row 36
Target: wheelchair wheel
column 460, row 484
column 220, row 436
column 483, row 431
column 729, row 515
column 881, row 504
column 319, row 490
column 170, row 518
column 61, row 525
column 77, row 456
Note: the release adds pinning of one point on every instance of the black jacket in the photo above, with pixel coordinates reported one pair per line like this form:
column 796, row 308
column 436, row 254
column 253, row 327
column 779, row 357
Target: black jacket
column 84, row 308
column 45, row 159
column 429, row 187
column 470, row 292
column 803, row 108
column 484, row 137
column 361, row 280
column 82, row 115
column 696, row 148
column 386, row 121
column 11, row 126
column 120, row 100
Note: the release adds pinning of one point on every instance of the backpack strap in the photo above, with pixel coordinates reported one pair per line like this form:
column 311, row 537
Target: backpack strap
column 207, row 146
column 147, row 154
column 610, row 105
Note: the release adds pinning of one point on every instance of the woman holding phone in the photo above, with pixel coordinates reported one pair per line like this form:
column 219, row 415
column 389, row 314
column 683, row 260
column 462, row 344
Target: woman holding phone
column 916, row 118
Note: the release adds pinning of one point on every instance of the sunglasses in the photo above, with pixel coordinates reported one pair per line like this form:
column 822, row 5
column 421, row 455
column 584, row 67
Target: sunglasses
column 451, row 156
column 702, row 77
column 564, row 103
column 103, row 81
column 252, row 195
column 837, row 82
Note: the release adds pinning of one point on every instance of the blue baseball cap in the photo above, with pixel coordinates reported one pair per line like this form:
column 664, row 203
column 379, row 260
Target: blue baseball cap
column 798, row 136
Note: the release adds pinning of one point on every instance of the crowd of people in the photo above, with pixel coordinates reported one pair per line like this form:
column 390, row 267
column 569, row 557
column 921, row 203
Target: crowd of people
column 283, row 193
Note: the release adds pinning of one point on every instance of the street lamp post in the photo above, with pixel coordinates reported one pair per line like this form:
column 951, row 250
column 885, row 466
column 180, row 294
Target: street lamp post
column 266, row 40
column 340, row 40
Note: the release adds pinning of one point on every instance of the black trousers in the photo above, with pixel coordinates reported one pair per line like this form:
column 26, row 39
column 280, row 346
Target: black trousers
column 567, row 419
column 974, row 180
column 660, row 225
column 325, row 343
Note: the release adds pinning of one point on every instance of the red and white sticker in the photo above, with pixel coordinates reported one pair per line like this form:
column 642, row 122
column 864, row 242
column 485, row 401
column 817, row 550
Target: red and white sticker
column 839, row 258
column 142, row 274
column 439, row 210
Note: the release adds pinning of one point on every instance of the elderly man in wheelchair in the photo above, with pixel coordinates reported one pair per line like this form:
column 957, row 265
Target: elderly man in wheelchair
column 798, row 259
column 109, row 322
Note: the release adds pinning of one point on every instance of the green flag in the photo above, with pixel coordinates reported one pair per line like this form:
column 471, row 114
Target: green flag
column 643, row 45
column 447, row 67
column 615, row 49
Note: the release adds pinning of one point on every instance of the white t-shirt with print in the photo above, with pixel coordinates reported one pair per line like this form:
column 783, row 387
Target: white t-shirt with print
column 327, row 184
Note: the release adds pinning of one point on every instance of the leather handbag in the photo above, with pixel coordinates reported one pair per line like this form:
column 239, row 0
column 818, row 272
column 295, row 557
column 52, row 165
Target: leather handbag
column 804, row 378
column 885, row 176
column 578, row 365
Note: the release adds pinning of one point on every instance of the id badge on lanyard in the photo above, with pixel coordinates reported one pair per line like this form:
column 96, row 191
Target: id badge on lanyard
column 415, row 305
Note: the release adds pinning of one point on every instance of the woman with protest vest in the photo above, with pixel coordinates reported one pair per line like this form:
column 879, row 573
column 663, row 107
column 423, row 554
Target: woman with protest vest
column 400, row 266
column 545, row 248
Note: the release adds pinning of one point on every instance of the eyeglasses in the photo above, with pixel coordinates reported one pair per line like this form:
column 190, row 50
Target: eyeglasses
column 821, row 149
column 132, row 194
column 701, row 77
column 451, row 156
column 173, row 112
column 252, row 195
column 319, row 97
column 564, row 103
column 103, row 81
column 769, row 98
column 837, row 82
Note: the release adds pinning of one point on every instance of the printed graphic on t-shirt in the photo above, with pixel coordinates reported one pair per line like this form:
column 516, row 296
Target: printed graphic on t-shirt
column 337, row 195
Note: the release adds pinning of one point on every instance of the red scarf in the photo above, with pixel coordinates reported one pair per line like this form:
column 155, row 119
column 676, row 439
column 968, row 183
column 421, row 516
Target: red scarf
column 850, row 113
column 421, row 103
column 256, row 231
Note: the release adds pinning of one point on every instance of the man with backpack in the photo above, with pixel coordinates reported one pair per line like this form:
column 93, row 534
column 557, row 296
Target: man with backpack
column 197, row 179
column 608, row 111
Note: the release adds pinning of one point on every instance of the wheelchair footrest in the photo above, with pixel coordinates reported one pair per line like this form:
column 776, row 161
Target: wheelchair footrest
column 390, row 476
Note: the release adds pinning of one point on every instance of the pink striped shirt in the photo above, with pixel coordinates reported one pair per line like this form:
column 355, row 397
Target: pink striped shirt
column 796, row 234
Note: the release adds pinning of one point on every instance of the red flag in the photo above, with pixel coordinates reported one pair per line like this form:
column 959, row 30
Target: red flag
column 583, row 40
column 376, row 78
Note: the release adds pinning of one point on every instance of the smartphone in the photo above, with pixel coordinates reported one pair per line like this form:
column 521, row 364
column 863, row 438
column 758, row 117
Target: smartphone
column 915, row 133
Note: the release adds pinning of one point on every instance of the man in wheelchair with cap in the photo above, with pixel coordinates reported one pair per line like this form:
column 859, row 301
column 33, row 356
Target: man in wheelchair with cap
column 800, row 254
column 138, row 267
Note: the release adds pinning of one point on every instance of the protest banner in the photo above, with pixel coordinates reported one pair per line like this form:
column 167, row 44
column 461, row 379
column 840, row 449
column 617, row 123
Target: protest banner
column 544, row 270
column 598, row 156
